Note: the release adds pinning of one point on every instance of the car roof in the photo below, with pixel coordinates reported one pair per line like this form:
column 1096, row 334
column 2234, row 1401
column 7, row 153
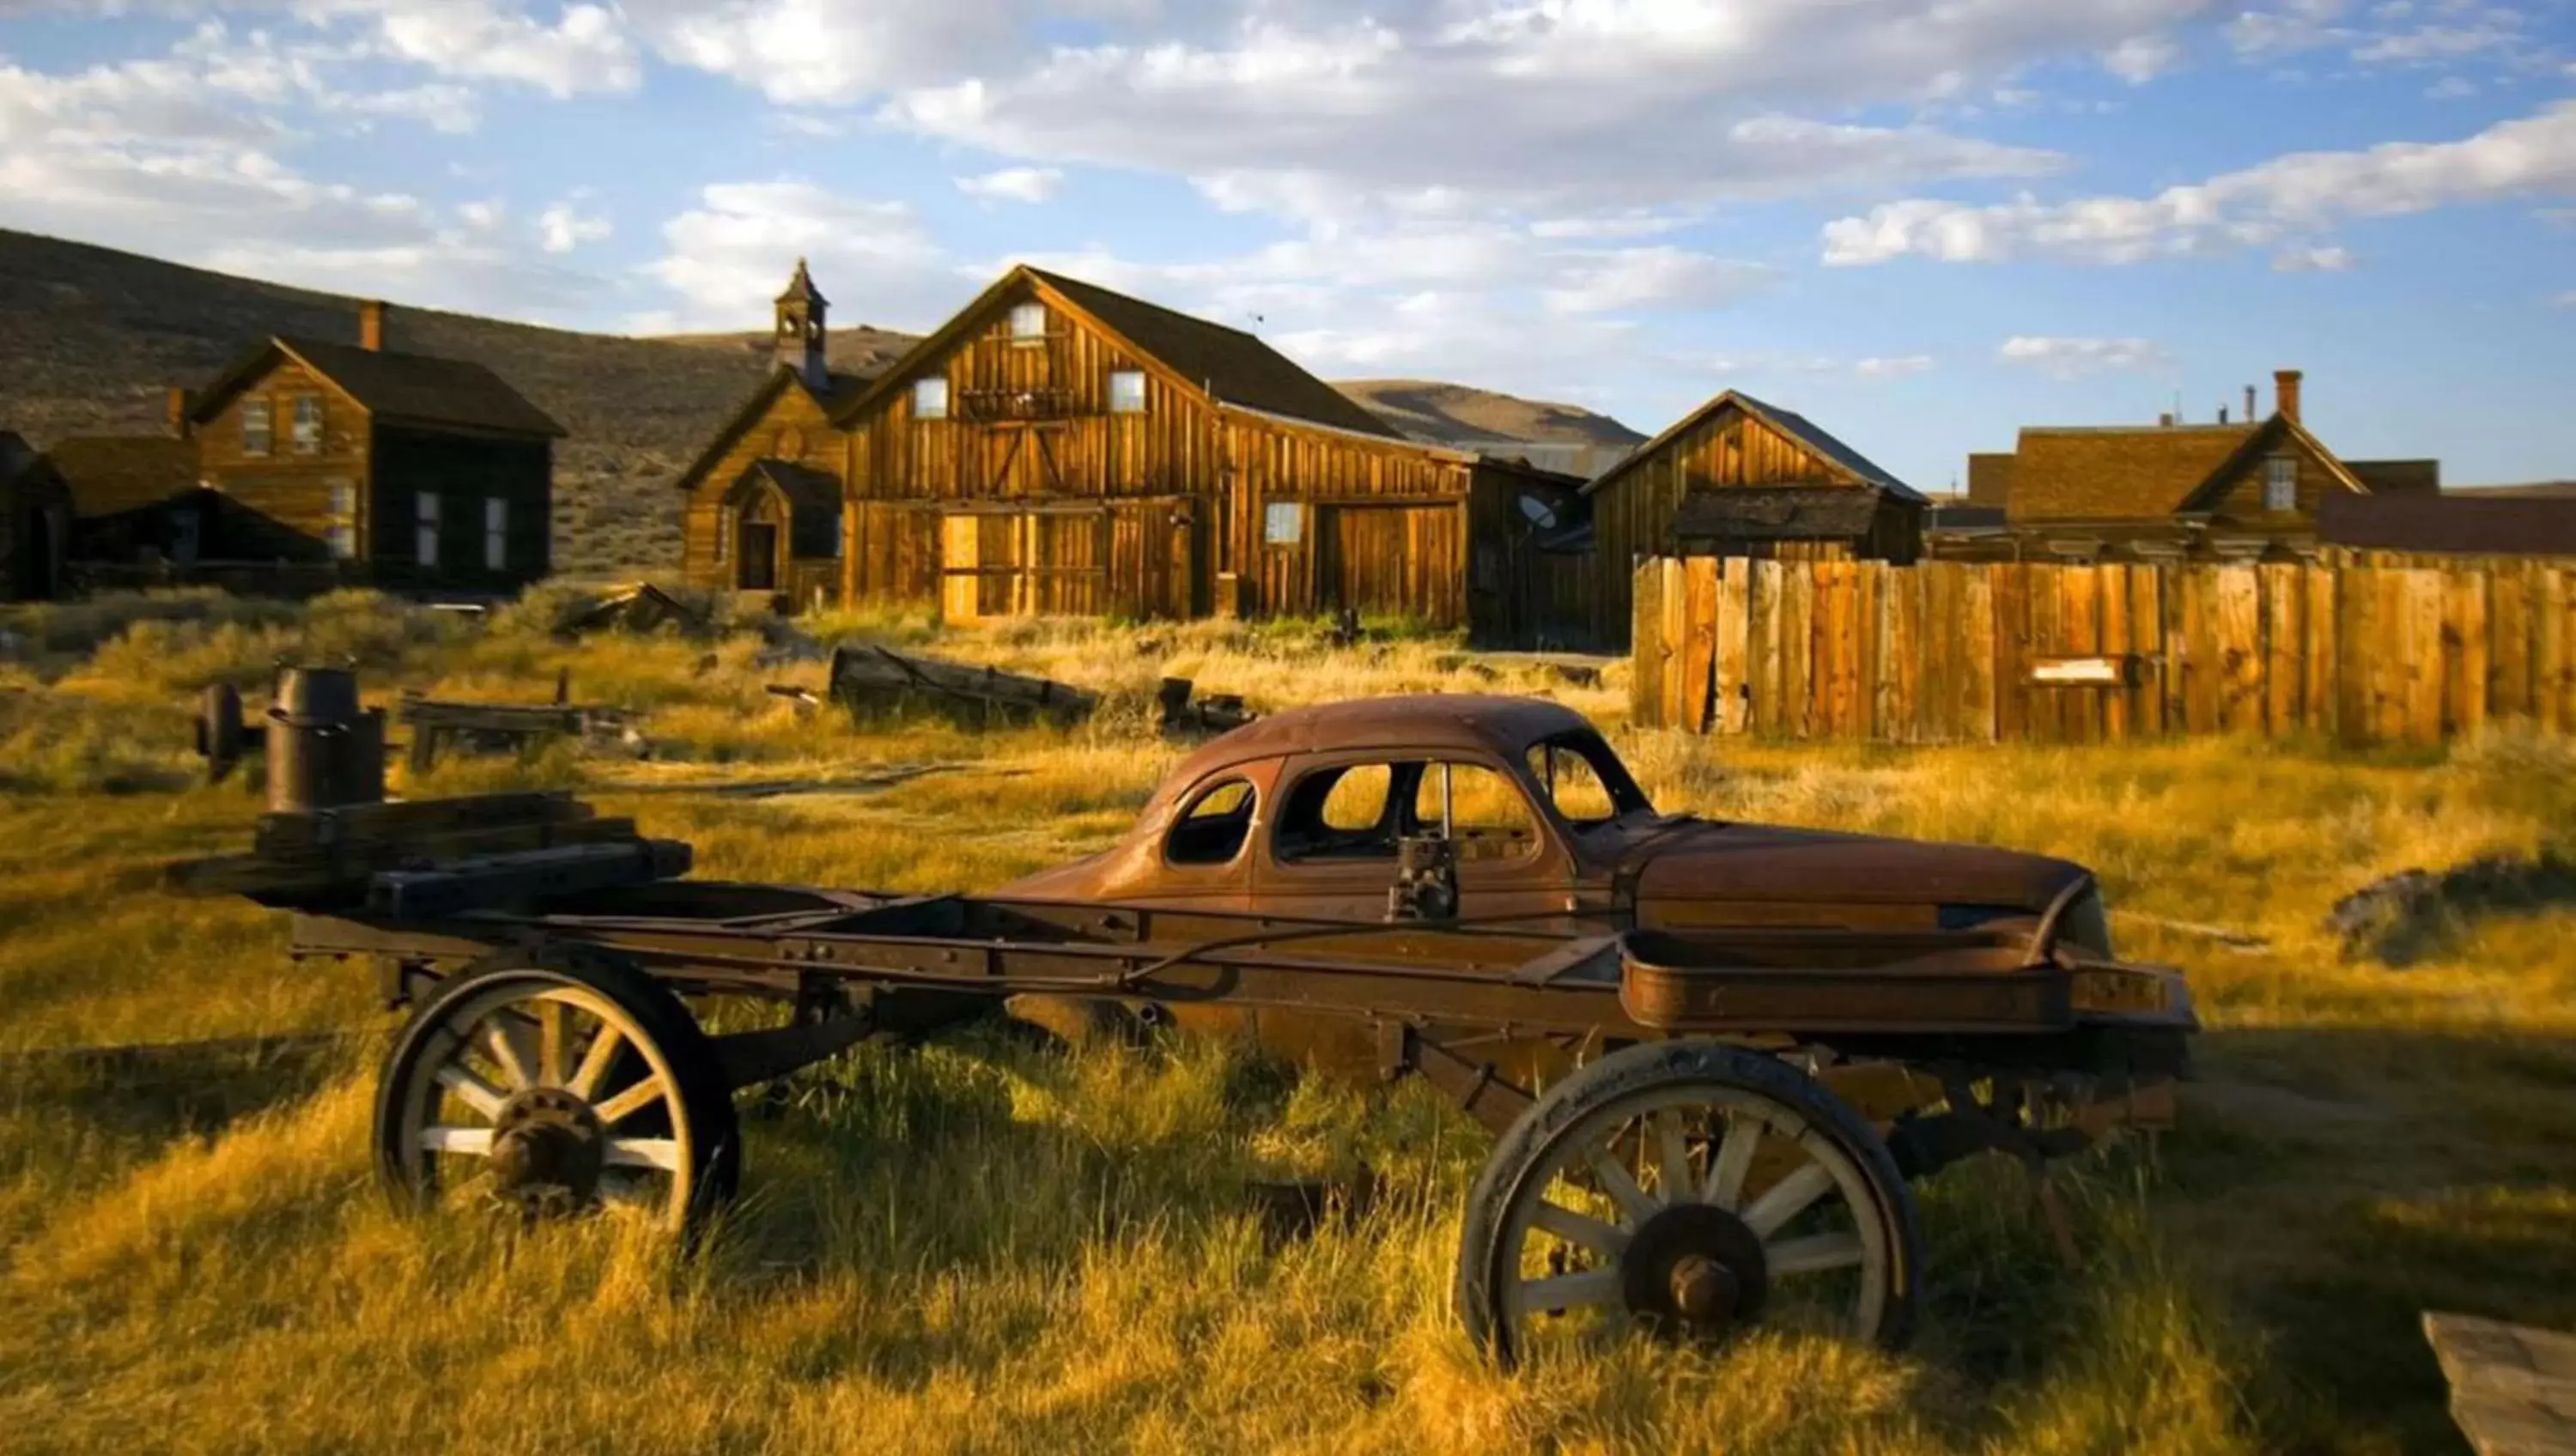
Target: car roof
column 1473, row 721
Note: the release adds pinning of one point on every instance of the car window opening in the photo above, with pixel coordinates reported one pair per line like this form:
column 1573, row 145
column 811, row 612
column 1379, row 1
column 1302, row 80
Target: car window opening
column 1212, row 830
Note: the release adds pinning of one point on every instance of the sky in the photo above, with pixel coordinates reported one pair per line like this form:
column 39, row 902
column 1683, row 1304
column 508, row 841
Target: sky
column 1923, row 223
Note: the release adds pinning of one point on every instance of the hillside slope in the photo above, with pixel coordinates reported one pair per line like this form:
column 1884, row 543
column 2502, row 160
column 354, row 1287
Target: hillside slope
column 91, row 339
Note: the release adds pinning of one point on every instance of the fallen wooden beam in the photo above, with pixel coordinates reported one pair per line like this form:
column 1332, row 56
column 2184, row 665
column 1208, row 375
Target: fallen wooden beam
column 1205, row 717
column 873, row 680
column 2513, row 1390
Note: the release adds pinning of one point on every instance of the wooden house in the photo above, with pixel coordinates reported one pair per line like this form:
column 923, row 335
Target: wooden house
column 1738, row 477
column 1059, row 448
column 411, row 470
column 35, row 522
column 2248, row 489
column 135, row 497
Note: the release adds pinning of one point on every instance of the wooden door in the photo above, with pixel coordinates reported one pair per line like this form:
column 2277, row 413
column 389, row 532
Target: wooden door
column 1394, row 560
column 759, row 543
column 960, row 564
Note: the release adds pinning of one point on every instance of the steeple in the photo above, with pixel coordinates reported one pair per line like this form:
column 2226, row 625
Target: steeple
column 801, row 334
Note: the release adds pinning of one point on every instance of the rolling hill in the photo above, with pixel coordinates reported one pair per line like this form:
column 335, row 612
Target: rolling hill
column 91, row 338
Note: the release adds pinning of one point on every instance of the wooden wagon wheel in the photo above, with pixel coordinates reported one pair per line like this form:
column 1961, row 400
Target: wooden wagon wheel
column 1688, row 1189
column 556, row 1089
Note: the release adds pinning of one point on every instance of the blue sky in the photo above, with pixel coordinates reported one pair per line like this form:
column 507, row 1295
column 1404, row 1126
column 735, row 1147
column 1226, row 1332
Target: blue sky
column 1921, row 222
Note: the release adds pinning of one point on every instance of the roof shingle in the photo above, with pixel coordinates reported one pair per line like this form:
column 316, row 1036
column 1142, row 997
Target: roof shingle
column 1779, row 512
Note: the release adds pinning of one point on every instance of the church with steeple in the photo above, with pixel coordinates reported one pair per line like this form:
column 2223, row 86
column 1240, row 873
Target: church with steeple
column 764, row 500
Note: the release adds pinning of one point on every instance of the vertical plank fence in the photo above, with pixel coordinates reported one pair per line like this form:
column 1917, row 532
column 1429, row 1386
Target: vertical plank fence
column 1970, row 652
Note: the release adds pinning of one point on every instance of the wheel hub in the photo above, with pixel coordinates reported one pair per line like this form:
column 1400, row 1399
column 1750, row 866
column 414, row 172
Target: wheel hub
column 1694, row 1270
column 547, row 1150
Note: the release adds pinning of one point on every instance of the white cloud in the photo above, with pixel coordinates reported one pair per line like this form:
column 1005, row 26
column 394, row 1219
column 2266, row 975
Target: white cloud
column 726, row 258
column 2565, row 300
column 2254, row 206
column 562, row 228
column 2072, row 358
column 2141, row 58
column 1895, row 368
column 585, row 50
column 1663, row 277
column 1013, row 184
column 2312, row 260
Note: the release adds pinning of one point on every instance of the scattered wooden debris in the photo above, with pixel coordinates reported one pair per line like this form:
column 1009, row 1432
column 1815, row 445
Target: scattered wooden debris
column 871, row 680
column 1345, row 630
column 1572, row 668
column 2400, row 918
column 509, row 727
column 2241, row 941
column 902, row 773
column 640, row 607
column 1211, row 715
column 2513, row 1390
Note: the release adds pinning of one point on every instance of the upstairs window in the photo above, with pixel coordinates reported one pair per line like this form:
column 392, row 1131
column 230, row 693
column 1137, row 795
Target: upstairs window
column 343, row 530
column 1283, row 523
column 2281, row 483
column 930, row 399
column 1127, row 391
column 256, row 425
column 496, row 533
column 307, row 436
column 425, row 528
column 1028, row 323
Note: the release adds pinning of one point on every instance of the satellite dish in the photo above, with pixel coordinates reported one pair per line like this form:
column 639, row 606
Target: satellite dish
column 1540, row 513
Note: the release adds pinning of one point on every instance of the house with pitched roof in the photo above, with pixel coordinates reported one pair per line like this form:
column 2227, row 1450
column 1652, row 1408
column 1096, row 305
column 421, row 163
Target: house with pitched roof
column 2247, row 489
column 1060, row 448
column 35, row 522
column 1737, row 477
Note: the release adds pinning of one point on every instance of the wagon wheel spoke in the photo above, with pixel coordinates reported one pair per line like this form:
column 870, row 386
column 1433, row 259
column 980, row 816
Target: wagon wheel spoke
column 1621, row 1185
column 595, row 1062
column 661, row 1153
column 472, row 1090
column 552, row 1034
column 1814, row 1254
column 1571, row 1291
column 1725, row 1186
column 1580, row 1228
column 1672, row 1158
column 507, row 1037
column 1787, row 1199
column 472, row 1141
column 629, row 1102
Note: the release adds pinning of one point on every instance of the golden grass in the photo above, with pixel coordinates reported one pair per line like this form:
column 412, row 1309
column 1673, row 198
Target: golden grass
column 979, row 1245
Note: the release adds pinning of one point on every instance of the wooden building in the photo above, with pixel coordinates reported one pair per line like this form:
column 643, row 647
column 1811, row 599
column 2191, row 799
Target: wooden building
column 35, row 522
column 2395, row 528
column 415, row 470
column 135, row 498
column 1057, row 447
column 2248, row 489
column 1736, row 477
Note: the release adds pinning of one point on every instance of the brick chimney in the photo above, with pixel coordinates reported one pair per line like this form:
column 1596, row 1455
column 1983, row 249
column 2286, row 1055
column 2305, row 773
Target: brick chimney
column 2285, row 393
column 178, row 416
column 2166, row 419
column 371, row 325
column 2249, row 404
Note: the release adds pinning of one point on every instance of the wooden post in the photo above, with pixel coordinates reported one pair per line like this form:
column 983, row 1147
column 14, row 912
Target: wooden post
column 1646, row 646
column 1734, row 624
column 1979, row 647
column 1675, row 594
column 1701, row 607
column 1766, row 647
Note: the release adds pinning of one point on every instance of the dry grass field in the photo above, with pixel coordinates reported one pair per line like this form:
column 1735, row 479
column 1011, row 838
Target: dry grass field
column 978, row 1244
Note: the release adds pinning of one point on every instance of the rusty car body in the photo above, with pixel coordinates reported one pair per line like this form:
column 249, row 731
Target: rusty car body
column 1716, row 1052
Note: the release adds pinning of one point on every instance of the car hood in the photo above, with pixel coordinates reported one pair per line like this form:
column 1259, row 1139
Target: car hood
column 1711, row 860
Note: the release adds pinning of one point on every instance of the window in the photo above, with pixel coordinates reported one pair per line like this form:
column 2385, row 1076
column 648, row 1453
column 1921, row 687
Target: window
column 1283, row 523
column 930, row 399
column 307, row 435
column 343, row 530
column 425, row 530
column 1486, row 813
column 256, row 424
column 2281, row 483
column 1584, row 781
column 1028, row 323
column 1127, row 391
column 1344, row 812
column 496, row 533
column 1211, row 831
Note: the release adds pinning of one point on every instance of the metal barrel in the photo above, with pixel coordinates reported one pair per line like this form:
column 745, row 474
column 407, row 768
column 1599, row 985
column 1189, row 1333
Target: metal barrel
column 323, row 751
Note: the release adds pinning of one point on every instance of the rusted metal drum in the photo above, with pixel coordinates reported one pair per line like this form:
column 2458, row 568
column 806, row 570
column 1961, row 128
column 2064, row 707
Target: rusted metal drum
column 323, row 750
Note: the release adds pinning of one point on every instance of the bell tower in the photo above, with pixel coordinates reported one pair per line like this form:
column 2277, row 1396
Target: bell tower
column 801, row 336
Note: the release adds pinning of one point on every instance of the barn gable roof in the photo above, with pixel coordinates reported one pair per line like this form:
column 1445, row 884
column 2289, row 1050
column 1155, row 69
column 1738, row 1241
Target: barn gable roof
column 1845, row 461
column 415, row 389
column 1779, row 512
column 1229, row 366
column 842, row 391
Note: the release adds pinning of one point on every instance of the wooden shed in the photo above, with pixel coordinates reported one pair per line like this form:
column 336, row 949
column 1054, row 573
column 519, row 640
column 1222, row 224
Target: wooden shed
column 1739, row 477
column 1060, row 448
column 35, row 522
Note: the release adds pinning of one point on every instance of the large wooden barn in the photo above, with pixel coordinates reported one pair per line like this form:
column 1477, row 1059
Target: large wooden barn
column 1734, row 477
column 1057, row 447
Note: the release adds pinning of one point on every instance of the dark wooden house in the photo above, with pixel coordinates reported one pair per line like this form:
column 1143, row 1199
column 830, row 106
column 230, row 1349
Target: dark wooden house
column 35, row 522
column 2246, row 489
column 1738, row 477
column 135, row 498
column 2404, row 525
column 416, row 470
column 1059, row 448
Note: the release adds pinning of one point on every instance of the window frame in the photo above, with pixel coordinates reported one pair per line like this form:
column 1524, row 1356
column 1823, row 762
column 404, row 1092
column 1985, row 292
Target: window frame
column 1251, row 812
column 1408, row 769
column 1021, row 313
column 1270, row 518
column 496, row 533
column 2280, row 482
column 930, row 397
column 428, row 523
column 298, row 441
column 341, row 534
column 1119, row 403
column 258, row 410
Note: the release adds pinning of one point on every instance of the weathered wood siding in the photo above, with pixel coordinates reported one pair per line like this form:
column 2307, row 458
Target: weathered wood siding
column 285, row 494
column 1948, row 652
column 467, row 472
column 791, row 427
column 1632, row 514
column 2239, row 499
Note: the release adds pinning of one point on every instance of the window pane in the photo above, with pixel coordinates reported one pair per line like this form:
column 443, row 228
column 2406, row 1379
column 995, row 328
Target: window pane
column 496, row 533
column 308, row 423
column 1283, row 523
column 1028, row 321
column 1487, row 813
column 344, row 498
column 425, row 533
column 255, row 426
column 1339, row 813
column 1571, row 784
column 1212, row 830
column 930, row 399
column 1127, row 391
column 344, row 541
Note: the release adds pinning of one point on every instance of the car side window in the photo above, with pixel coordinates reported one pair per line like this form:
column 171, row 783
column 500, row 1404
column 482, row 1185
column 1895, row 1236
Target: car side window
column 1343, row 812
column 1486, row 812
column 1211, row 831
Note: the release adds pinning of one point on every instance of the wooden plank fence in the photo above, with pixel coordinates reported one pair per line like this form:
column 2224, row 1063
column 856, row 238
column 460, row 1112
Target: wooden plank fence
column 1948, row 652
